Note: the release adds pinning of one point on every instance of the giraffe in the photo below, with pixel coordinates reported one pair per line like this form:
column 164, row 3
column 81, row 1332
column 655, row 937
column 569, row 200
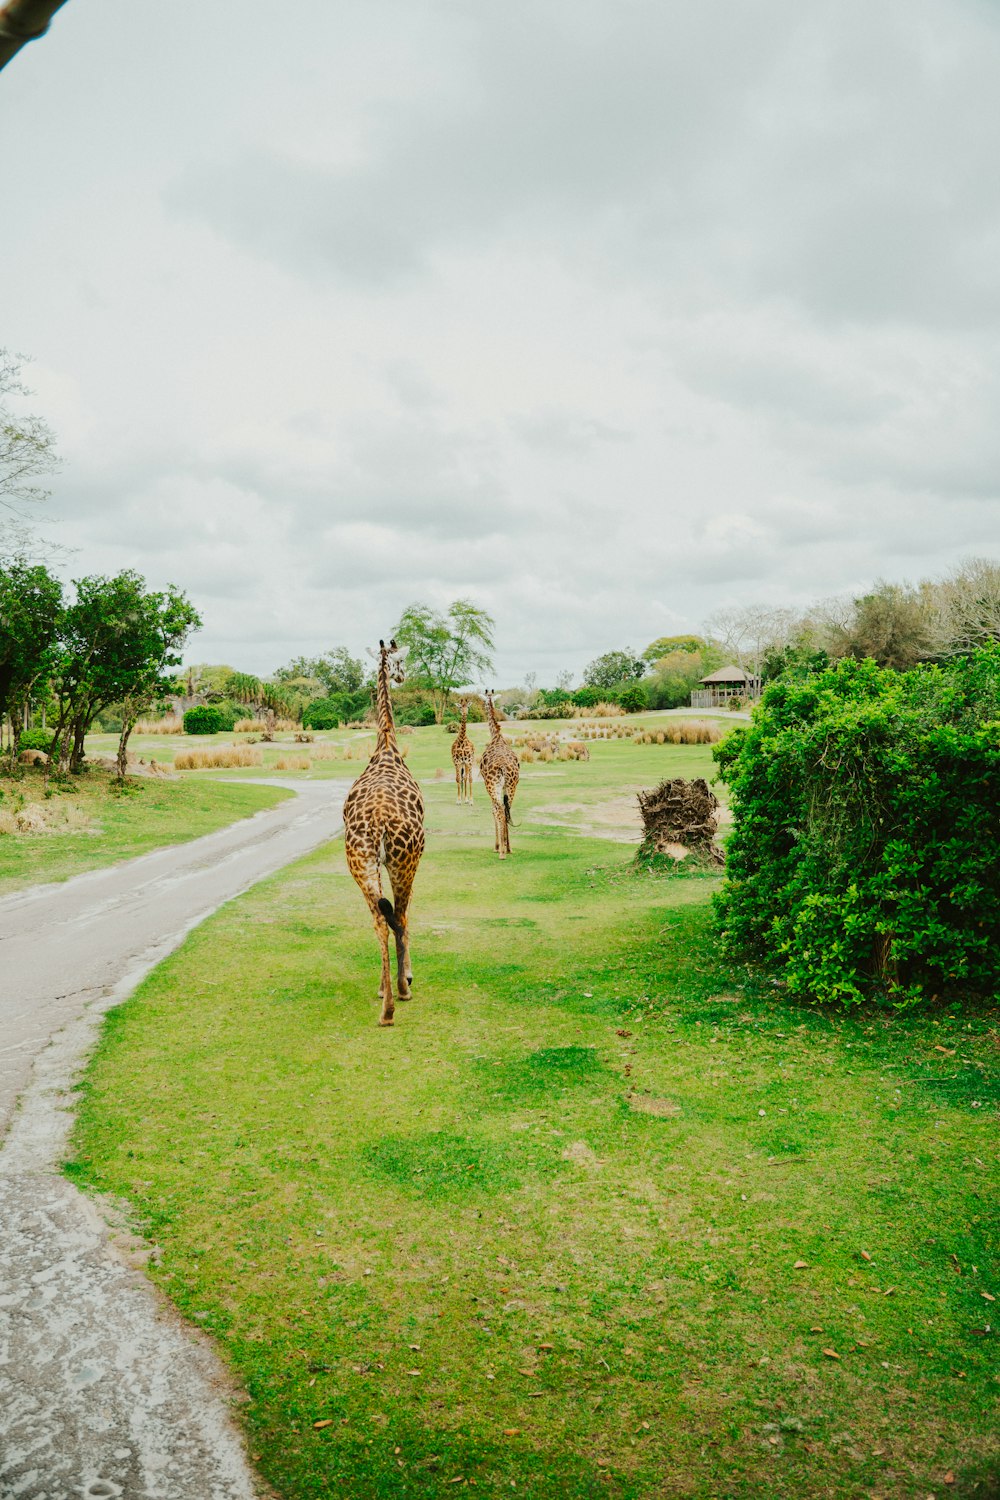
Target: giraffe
column 384, row 825
column 499, row 769
column 462, row 755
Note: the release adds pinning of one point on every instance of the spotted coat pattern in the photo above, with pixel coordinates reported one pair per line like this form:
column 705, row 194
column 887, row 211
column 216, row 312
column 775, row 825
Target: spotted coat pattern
column 462, row 755
column 499, row 769
column 384, row 825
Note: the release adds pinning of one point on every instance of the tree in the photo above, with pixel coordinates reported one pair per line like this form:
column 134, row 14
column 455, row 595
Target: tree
column 746, row 634
column 336, row 671
column 446, row 651
column 27, row 452
column 893, row 625
column 160, row 625
column 969, row 607
column 613, row 670
column 30, row 611
column 664, row 645
column 676, row 675
column 116, row 641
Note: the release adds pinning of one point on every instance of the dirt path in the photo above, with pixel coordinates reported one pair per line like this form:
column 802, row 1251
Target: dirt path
column 103, row 1392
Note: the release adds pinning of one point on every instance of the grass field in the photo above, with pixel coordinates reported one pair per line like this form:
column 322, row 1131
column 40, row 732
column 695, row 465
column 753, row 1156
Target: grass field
column 94, row 824
column 600, row 1215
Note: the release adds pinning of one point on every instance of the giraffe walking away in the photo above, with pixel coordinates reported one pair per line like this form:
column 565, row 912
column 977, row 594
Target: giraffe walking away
column 384, row 825
column 500, row 770
column 462, row 754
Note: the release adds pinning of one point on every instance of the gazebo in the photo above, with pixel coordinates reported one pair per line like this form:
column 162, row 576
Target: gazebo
column 719, row 688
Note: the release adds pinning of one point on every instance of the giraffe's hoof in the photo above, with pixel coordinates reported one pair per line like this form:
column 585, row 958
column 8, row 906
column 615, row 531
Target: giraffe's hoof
column 386, row 1021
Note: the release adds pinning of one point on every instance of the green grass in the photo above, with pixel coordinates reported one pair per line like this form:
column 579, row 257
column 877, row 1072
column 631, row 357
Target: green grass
column 541, row 1237
column 109, row 825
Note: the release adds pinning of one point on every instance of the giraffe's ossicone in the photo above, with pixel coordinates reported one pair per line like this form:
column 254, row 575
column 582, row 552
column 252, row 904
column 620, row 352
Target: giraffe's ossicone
column 384, row 825
column 500, row 770
column 463, row 757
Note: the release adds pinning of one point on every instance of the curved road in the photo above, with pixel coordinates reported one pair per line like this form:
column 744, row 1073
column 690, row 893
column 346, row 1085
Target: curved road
column 103, row 1392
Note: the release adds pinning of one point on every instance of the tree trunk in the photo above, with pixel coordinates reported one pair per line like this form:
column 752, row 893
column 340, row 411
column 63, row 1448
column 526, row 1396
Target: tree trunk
column 64, row 750
column 127, row 727
column 76, row 757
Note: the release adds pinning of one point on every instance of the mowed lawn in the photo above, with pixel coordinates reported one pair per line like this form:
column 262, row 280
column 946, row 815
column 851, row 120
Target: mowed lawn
column 94, row 824
column 600, row 1215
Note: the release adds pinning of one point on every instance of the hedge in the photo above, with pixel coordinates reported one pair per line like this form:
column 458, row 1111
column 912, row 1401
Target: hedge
column 865, row 855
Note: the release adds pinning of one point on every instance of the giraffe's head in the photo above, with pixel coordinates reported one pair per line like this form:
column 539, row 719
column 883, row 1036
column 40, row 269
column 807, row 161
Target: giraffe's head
column 393, row 658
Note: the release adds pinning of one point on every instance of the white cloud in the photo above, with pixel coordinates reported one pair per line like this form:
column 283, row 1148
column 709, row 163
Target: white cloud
column 606, row 314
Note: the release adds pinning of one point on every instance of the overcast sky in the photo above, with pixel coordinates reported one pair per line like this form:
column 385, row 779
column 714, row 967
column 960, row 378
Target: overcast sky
column 603, row 313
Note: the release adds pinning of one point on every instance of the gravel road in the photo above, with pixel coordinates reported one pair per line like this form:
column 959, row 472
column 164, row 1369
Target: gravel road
column 103, row 1391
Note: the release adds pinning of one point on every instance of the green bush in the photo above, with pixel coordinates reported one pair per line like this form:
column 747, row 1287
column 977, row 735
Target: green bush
column 864, row 855
column 415, row 714
column 633, row 699
column 202, row 720
column 338, row 708
column 35, row 739
column 586, row 697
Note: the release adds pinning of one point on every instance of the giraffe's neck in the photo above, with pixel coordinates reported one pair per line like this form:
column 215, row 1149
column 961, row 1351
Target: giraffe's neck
column 494, row 725
column 461, row 728
column 383, row 705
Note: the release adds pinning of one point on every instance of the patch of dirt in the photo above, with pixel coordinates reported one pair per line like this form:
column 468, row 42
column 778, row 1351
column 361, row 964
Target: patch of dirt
column 648, row 1104
column 580, row 1153
column 617, row 819
column 44, row 817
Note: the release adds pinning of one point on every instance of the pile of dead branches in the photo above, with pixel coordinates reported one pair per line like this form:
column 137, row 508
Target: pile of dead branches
column 679, row 819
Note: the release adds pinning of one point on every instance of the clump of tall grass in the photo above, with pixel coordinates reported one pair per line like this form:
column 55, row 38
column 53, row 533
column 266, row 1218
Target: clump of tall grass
column 593, row 731
column 259, row 726
column 170, row 724
column 599, row 711
column 681, row 732
column 293, row 763
column 220, row 755
column 548, row 747
column 304, row 736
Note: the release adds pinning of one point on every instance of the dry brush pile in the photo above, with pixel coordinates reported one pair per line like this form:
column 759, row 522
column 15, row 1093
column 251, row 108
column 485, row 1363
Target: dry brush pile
column 679, row 819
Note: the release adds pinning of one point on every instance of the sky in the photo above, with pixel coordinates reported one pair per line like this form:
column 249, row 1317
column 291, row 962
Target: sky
column 604, row 314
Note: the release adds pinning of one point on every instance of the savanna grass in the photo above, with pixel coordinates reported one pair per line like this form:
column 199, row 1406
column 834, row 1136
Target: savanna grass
column 599, row 1216
column 90, row 822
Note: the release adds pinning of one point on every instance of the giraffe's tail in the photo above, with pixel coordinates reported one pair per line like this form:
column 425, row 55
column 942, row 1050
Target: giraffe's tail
column 385, row 906
column 506, row 811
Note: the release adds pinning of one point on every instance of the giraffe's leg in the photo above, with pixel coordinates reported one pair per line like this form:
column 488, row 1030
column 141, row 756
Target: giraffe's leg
column 364, row 868
column 401, row 873
column 468, row 779
column 458, row 781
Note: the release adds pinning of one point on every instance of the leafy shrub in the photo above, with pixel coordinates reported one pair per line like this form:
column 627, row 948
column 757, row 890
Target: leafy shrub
column 865, row 846
column 35, row 739
column 337, row 709
column 418, row 715
column 632, row 700
column 451, row 726
column 586, row 697
column 563, row 710
column 202, row 720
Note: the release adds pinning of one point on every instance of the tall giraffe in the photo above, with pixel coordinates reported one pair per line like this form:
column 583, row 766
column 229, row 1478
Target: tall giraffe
column 384, row 825
column 499, row 769
column 462, row 754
